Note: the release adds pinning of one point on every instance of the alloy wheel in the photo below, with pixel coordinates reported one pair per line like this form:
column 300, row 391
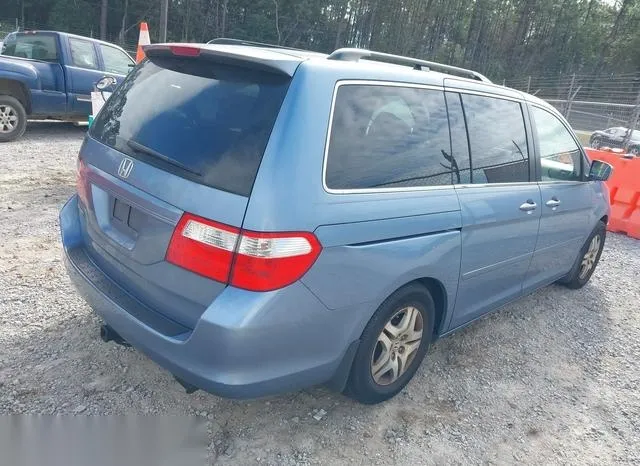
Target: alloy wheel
column 8, row 119
column 397, row 346
column 589, row 259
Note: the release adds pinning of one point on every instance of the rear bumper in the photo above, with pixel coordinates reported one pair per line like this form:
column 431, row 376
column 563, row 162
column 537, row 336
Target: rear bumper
column 245, row 344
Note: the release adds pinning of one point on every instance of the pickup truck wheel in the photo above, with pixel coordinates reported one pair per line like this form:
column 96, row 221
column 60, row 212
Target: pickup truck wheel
column 13, row 118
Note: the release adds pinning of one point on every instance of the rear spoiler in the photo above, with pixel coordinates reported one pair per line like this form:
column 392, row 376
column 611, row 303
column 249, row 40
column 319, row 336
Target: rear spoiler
column 259, row 60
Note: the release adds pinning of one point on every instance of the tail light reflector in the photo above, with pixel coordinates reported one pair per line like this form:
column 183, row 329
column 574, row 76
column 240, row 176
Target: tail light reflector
column 82, row 184
column 268, row 261
column 203, row 246
column 250, row 260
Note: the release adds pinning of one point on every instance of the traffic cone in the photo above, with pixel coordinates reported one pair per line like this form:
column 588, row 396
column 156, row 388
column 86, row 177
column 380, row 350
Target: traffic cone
column 142, row 40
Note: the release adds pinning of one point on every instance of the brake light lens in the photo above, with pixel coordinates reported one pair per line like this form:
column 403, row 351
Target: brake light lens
column 203, row 247
column 82, row 184
column 268, row 261
column 250, row 260
column 183, row 51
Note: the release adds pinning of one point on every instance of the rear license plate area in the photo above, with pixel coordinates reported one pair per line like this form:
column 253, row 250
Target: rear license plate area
column 121, row 211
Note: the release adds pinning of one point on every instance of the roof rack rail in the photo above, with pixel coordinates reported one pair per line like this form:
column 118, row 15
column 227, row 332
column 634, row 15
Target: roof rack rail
column 350, row 54
column 248, row 43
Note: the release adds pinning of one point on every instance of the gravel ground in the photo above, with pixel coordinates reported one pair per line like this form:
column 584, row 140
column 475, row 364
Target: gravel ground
column 553, row 378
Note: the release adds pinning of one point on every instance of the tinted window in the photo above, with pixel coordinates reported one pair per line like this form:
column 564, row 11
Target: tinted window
column 83, row 54
column 207, row 122
column 115, row 61
column 459, row 141
column 388, row 137
column 36, row 46
column 560, row 156
column 497, row 138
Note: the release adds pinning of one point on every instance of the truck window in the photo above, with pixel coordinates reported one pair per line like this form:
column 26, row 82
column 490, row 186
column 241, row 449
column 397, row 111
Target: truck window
column 115, row 61
column 34, row 46
column 83, row 55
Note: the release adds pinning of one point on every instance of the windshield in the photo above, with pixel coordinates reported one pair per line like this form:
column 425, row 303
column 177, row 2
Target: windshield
column 41, row 46
column 208, row 122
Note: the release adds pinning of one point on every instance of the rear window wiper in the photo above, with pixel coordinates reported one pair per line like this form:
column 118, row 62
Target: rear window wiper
column 137, row 147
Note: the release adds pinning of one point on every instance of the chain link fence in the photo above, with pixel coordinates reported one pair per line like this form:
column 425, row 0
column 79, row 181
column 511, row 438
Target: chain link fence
column 589, row 102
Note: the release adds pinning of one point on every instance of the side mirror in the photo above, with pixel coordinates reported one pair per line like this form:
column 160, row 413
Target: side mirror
column 106, row 82
column 600, row 171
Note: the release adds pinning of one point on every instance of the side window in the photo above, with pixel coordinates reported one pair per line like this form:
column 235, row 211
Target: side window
column 560, row 156
column 498, row 140
column 83, row 55
column 36, row 46
column 388, row 137
column 115, row 61
column 459, row 143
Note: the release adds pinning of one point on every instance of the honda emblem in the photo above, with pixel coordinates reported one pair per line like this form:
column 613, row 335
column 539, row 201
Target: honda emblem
column 125, row 168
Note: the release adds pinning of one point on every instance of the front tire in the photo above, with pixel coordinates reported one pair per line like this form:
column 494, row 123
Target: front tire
column 596, row 143
column 587, row 259
column 13, row 118
column 392, row 345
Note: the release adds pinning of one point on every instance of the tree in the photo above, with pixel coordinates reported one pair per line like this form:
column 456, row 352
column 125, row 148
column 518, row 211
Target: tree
column 501, row 38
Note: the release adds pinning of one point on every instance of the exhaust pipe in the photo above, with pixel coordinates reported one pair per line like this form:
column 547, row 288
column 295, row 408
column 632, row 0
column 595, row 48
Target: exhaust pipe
column 108, row 334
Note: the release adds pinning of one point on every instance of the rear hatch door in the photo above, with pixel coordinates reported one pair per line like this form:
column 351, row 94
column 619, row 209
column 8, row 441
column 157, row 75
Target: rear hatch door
column 184, row 132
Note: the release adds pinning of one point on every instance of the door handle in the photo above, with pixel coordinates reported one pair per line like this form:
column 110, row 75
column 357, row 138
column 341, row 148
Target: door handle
column 528, row 206
column 553, row 203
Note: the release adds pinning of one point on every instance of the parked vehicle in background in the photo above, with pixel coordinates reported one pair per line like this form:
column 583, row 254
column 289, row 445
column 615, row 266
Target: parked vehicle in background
column 50, row 75
column 259, row 220
column 614, row 138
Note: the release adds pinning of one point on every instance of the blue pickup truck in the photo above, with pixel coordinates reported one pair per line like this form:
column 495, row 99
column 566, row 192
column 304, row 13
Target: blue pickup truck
column 50, row 75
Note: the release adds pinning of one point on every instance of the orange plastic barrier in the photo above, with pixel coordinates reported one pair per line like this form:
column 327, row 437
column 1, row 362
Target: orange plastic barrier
column 624, row 191
column 143, row 39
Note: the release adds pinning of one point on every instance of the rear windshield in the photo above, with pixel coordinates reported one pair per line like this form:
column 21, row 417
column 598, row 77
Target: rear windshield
column 204, row 121
column 35, row 46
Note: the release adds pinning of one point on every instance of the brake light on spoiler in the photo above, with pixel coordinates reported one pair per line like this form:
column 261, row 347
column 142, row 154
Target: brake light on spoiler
column 255, row 261
column 184, row 51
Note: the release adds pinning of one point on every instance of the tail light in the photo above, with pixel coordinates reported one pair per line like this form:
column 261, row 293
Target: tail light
column 250, row 260
column 203, row 246
column 184, row 51
column 82, row 185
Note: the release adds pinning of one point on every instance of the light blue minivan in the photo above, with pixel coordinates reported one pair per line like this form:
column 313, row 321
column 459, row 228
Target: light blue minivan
column 258, row 219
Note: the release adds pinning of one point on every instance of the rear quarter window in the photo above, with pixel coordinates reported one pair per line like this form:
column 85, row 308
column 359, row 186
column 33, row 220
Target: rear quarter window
column 386, row 136
column 497, row 138
column 201, row 120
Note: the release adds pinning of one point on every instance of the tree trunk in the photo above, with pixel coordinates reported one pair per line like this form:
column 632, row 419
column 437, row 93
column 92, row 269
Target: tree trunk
column 275, row 2
column 224, row 17
column 123, row 25
column 103, row 19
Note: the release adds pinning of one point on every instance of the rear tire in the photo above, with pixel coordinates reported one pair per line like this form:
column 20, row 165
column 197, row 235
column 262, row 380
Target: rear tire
column 13, row 118
column 587, row 259
column 406, row 313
